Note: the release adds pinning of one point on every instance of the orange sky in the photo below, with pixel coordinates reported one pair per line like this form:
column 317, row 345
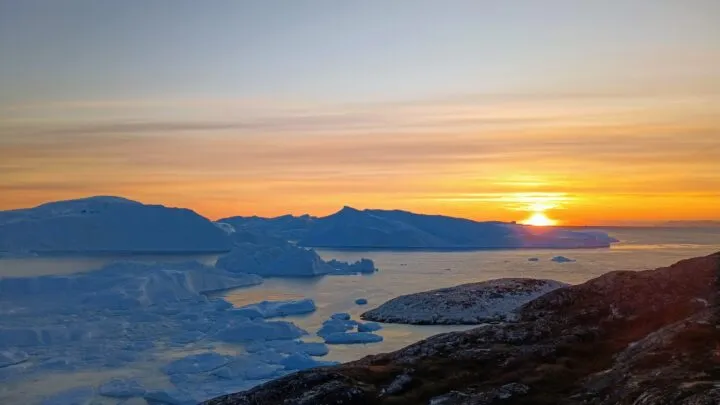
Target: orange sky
column 597, row 112
column 584, row 159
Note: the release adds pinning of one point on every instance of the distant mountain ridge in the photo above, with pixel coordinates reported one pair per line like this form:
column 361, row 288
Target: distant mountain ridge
column 374, row 228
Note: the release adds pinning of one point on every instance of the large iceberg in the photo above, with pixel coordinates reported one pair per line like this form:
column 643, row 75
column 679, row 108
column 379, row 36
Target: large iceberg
column 131, row 312
column 108, row 224
column 352, row 228
column 272, row 309
column 284, row 259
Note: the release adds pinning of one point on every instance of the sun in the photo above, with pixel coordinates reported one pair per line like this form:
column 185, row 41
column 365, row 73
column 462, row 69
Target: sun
column 539, row 219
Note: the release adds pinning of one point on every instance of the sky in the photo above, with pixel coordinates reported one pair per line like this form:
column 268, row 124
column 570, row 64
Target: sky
column 593, row 112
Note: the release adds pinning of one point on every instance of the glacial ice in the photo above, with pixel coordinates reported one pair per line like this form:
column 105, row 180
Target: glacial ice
column 301, row 361
column 283, row 259
column 369, row 327
column 122, row 388
column 74, row 396
column 562, row 259
column 197, row 363
column 336, row 326
column 288, row 347
column 12, row 357
column 127, row 312
column 352, row 338
column 272, row 309
column 343, row 316
column 108, row 224
column 246, row 331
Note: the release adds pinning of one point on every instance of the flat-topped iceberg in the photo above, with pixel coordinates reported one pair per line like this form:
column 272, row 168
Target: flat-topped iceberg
column 372, row 228
column 348, row 338
column 108, row 224
column 272, row 309
column 284, row 259
column 474, row 303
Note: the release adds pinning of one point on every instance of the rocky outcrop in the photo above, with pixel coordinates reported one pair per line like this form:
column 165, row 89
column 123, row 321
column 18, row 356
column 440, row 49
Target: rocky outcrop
column 466, row 304
column 636, row 338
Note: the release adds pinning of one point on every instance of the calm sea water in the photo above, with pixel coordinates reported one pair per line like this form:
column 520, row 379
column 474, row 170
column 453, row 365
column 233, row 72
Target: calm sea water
column 401, row 272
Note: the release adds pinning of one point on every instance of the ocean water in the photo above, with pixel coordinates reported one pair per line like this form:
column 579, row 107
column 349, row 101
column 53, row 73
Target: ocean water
column 401, row 272
column 405, row 272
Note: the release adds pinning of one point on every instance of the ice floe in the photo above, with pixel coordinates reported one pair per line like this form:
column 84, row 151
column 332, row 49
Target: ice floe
column 562, row 259
column 272, row 309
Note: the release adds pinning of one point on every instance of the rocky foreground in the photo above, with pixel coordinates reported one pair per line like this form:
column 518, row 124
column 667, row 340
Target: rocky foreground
column 636, row 338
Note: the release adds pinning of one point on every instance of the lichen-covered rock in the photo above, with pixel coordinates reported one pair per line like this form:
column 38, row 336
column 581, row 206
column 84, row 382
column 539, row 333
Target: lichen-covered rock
column 475, row 303
column 635, row 338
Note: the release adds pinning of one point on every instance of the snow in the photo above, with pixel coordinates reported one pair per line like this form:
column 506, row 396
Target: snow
column 562, row 259
column 352, row 338
column 108, row 224
column 361, row 301
column 474, row 303
column 272, row 309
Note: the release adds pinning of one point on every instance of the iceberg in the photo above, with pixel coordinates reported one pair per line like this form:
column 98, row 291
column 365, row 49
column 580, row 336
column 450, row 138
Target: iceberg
column 369, row 327
column 272, row 309
column 284, row 259
column 108, row 224
column 247, row 331
column 372, row 228
column 288, row 347
column 346, row 338
column 75, row 396
column 361, row 301
column 336, row 326
column 301, row 361
column 12, row 357
column 197, row 363
column 562, row 259
column 122, row 388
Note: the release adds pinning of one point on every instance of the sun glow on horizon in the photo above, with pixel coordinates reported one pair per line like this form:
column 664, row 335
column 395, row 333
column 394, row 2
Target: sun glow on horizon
column 539, row 219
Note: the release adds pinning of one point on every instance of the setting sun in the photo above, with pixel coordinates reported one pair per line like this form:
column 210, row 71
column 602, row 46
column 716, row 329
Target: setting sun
column 539, row 219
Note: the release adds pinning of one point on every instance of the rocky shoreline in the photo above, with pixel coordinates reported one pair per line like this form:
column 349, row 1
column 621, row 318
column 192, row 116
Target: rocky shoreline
column 466, row 304
column 639, row 338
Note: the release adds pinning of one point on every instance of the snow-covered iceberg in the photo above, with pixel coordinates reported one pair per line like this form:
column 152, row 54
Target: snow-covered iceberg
column 108, row 224
column 284, row 259
column 371, row 228
column 474, row 303
column 272, row 309
column 133, row 312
